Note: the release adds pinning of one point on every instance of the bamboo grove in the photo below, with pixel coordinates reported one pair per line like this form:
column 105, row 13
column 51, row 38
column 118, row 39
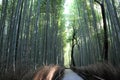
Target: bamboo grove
column 30, row 34
column 98, row 37
column 33, row 33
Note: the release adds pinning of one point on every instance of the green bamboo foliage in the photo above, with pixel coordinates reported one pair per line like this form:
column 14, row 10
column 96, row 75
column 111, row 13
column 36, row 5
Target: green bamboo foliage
column 96, row 32
column 113, row 30
column 29, row 35
column 33, row 33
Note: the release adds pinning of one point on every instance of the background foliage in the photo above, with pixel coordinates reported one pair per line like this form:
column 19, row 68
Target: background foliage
column 64, row 32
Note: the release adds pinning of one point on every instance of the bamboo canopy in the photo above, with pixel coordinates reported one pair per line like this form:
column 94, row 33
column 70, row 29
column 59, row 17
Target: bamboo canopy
column 65, row 32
